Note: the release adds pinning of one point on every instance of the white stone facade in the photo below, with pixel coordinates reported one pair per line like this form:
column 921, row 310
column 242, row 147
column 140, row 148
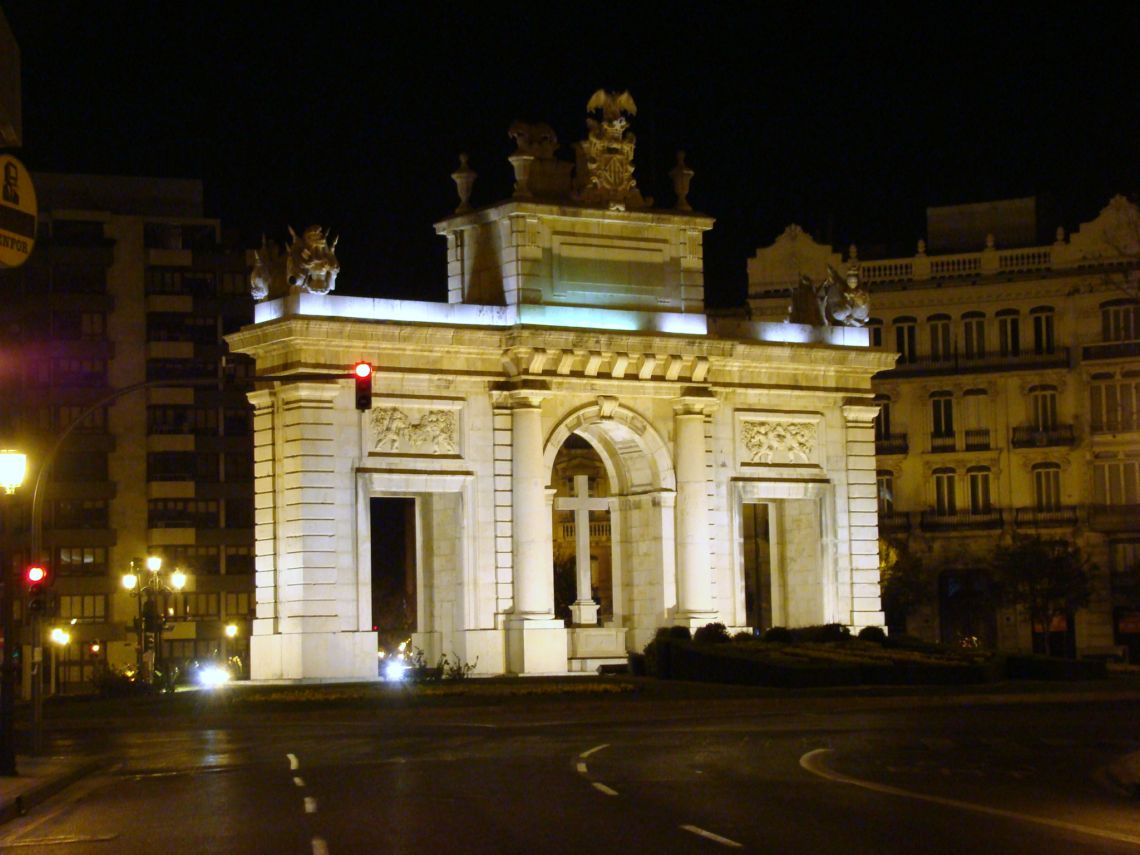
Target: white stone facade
column 594, row 326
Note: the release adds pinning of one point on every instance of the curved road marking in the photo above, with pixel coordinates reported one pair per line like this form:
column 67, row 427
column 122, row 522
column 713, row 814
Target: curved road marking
column 708, row 835
column 582, row 768
column 593, row 750
column 602, row 788
column 298, row 782
column 294, row 763
column 813, row 762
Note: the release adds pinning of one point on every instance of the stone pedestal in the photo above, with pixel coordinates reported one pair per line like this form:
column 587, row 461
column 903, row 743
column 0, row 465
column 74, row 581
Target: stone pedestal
column 536, row 646
column 584, row 613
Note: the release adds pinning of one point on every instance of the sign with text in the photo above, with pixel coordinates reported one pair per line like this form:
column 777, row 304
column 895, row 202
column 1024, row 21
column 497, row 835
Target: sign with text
column 17, row 212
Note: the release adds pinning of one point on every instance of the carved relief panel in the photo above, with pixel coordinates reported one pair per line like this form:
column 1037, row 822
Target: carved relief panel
column 778, row 439
column 419, row 428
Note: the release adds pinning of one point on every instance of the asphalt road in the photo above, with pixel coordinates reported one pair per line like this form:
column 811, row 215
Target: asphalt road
column 602, row 777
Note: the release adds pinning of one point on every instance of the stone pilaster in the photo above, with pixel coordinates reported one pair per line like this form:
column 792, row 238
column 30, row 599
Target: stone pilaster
column 694, row 570
column 863, row 516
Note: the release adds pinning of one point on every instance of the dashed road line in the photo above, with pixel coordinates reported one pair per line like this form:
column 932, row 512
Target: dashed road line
column 310, row 804
column 320, row 847
column 593, row 750
column 715, row 838
column 298, row 782
column 294, row 763
column 582, row 769
column 813, row 762
column 602, row 788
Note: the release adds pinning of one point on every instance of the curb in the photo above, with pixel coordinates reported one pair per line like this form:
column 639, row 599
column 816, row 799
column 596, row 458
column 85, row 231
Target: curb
column 21, row 804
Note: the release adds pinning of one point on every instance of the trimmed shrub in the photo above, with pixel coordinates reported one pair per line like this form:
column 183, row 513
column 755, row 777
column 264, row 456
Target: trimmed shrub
column 873, row 633
column 826, row 632
column 712, row 633
column 681, row 633
column 778, row 634
column 743, row 635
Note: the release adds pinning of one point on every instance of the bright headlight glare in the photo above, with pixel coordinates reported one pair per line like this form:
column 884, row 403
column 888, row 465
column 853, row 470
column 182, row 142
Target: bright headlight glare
column 394, row 670
column 213, row 676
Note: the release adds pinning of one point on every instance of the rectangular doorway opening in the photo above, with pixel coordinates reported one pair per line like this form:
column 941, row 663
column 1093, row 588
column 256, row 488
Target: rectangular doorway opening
column 393, row 524
column 757, row 550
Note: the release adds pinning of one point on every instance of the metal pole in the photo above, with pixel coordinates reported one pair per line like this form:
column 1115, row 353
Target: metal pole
column 8, row 676
column 37, row 665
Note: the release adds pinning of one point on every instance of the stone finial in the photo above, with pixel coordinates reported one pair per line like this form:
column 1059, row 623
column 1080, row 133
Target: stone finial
column 853, row 252
column 990, row 241
column 522, row 164
column 464, row 178
column 1060, row 234
column 921, row 247
column 682, row 176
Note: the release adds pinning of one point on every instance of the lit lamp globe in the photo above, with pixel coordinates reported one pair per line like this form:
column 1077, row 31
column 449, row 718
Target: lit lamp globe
column 178, row 580
column 13, row 467
column 130, row 581
column 231, row 630
column 154, row 563
column 60, row 636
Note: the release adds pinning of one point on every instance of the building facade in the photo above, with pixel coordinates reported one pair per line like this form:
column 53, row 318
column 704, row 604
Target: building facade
column 129, row 283
column 1014, row 407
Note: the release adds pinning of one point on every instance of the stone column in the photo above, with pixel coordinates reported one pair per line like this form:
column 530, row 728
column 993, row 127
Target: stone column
column 862, row 518
column 694, row 570
column 533, row 546
column 536, row 640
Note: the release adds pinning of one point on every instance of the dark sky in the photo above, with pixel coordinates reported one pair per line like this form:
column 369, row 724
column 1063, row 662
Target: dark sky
column 848, row 121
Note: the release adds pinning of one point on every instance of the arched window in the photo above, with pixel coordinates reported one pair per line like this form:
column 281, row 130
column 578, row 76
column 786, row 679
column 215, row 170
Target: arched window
column 976, row 419
column 1047, row 486
column 883, row 419
column 1120, row 320
column 941, row 349
column 974, row 333
column 945, row 503
column 1043, row 407
column 941, row 421
column 1042, row 329
column 886, row 482
column 905, row 339
column 875, row 332
column 979, row 478
column 1009, row 332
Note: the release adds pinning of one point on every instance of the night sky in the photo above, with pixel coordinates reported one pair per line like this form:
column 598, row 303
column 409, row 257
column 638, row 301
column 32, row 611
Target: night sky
column 847, row 122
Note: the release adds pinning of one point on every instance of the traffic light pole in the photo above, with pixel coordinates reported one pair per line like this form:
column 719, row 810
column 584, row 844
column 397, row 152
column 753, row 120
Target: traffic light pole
column 8, row 675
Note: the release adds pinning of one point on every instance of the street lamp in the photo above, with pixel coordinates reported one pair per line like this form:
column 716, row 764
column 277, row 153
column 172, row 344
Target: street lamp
column 13, row 467
column 150, row 616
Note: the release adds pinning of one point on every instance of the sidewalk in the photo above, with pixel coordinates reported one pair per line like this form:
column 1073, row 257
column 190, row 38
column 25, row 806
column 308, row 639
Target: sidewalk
column 39, row 779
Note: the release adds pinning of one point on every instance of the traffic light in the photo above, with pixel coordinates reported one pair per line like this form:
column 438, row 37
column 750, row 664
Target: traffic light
column 362, row 371
column 35, row 581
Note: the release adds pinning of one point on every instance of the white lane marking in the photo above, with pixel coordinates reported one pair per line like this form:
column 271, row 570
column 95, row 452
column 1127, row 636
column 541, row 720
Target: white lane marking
column 60, row 839
column 813, row 762
column 582, row 770
column 298, row 782
column 602, row 788
column 294, row 763
column 708, row 835
column 320, row 847
column 586, row 754
column 310, row 804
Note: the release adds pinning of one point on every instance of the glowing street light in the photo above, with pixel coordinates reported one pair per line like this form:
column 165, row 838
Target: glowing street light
column 13, row 468
column 231, row 630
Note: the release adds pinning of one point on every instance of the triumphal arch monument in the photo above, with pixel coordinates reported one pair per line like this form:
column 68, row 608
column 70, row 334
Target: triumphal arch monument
column 737, row 457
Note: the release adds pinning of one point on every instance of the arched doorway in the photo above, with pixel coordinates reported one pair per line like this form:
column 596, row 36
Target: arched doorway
column 634, row 478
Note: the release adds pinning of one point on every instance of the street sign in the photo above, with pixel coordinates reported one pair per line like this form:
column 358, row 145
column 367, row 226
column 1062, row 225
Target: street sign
column 18, row 212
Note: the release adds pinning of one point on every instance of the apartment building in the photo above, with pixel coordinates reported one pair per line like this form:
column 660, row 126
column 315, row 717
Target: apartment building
column 129, row 283
column 1014, row 407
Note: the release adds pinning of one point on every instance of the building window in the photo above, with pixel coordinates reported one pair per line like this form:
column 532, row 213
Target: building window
column 1116, row 482
column 83, row 608
column 1120, row 320
column 883, row 419
column 1009, row 332
column 1113, row 403
column 93, row 422
column 944, row 501
column 1043, row 401
column 239, row 513
column 237, row 604
column 906, row 339
column 80, row 372
column 976, row 412
column 1042, row 329
column 198, row 560
column 79, row 513
column 71, row 466
column 81, row 560
column 874, row 331
column 974, row 332
column 979, row 478
column 200, row 606
column 940, row 340
column 182, row 513
column 942, row 414
column 239, row 560
column 1047, row 486
column 886, row 481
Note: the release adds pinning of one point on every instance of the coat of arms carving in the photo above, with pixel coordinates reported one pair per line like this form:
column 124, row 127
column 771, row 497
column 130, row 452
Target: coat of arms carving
column 605, row 158
column 791, row 442
column 432, row 433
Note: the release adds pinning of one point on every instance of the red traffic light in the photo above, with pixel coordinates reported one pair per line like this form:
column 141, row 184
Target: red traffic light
column 35, row 575
column 362, row 371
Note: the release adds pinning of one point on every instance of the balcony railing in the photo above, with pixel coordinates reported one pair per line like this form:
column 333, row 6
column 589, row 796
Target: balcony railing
column 1114, row 517
column 940, row 442
column 957, row 364
column 894, row 444
column 978, row 439
column 1034, row 437
column 1110, row 350
column 598, row 531
column 894, row 521
column 1062, row 517
column 934, row 521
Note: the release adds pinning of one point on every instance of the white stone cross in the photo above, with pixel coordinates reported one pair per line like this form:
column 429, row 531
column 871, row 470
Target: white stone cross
column 584, row 610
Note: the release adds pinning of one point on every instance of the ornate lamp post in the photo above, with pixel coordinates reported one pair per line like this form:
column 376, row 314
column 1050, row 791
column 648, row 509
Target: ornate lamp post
column 13, row 466
column 148, row 591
